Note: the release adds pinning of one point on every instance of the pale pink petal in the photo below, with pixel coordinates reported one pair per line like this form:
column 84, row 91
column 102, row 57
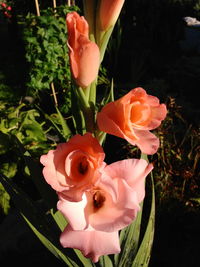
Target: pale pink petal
column 117, row 205
column 133, row 171
column 73, row 194
column 113, row 216
column 147, row 142
column 73, row 212
column 92, row 244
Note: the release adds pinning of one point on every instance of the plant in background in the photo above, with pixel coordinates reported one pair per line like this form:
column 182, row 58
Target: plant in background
column 99, row 208
column 6, row 9
column 46, row 51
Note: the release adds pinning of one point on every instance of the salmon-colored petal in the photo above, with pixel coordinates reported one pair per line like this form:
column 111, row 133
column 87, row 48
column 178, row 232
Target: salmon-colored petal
column 140, row 115
column 73, row 63
column 109, row 126
column 88, row 63
column 74, row 166
column 131, row 117
column 158, row 115
column 84, row 54
column 109, row 12
column 79, row 168
column 92, row 244
column 88, row 144
column 50, row 174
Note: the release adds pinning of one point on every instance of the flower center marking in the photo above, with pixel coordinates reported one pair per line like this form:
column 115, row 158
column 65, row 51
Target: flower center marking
column 98, row 200
column 83, row 166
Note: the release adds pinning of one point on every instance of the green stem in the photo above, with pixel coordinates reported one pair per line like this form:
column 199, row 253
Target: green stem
column 92, row 96
column 82, row 97
column 87, row 109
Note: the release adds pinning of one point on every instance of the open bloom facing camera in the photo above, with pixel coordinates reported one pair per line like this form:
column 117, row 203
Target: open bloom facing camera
column 74, row 166
column 131, row 117
column 106, row 208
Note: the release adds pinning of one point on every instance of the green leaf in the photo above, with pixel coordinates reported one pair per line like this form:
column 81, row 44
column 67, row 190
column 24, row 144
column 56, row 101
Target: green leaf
column 35, row 169
column 9, row 169
column 59, row 219
column 144, row 253
column 26, row 206
column 85, row 261
column 50, row 246
column 45, row 229
column 135, row 250
column 105, row 261
column 104, row 39
column 50, row 118
column 129, row 239
column 4, row 200
column 66, row 130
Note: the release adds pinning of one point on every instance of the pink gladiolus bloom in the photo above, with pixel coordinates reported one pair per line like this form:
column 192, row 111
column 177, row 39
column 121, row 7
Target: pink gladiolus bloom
column 110, row 206
column 109, row 12
column 84, row 54
column 113, row 203
column 74, row 166
column 131, row 117
column 93, row 244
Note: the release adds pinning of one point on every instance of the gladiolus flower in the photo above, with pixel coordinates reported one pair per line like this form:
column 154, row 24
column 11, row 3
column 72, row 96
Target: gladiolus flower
column 107, row 208
column 74, row 166
column 113, row 203
column 131, row 117
column 84, row 54
column 109, row 12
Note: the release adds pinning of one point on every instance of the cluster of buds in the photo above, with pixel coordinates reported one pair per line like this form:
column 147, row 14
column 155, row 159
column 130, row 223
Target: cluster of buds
column 7, row 9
